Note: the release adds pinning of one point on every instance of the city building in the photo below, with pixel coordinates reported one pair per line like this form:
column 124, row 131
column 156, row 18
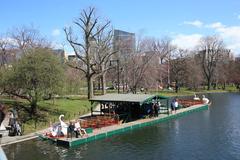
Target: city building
column 237, row 59
column 72, row 57
column 8, row 57
column 61, row 54
column 124, row 42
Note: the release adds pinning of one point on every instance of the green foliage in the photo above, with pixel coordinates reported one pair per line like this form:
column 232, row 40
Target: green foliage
column 36, row 75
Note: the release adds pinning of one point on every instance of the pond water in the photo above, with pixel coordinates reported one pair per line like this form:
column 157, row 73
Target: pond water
column 211, row 134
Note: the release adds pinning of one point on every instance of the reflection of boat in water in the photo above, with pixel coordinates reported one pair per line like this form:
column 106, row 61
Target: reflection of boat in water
column 209, row 103
column 2, row 154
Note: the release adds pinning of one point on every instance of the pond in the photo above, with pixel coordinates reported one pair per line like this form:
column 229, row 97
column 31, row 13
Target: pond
column 210, row 134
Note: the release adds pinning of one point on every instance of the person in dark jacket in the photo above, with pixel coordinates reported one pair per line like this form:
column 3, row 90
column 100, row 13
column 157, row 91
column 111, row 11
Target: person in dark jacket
column 71, row 128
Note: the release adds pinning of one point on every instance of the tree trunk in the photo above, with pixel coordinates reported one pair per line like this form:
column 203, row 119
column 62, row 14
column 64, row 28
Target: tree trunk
column 224, row 85
column 123, row 84
column 99, row 83
column 209, row 84
column 90, row 87
column 103, row 81
column 33, row 110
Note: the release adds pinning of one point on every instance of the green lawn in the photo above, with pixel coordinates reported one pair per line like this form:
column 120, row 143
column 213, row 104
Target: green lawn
column 187, row 92
column 49, row 111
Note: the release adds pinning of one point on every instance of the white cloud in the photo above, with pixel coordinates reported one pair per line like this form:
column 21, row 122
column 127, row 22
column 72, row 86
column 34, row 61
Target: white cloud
column 9, row 40
column 231, row 36
column 56, row 32
column 215, row 25
column 195, row 23
column 186, row 41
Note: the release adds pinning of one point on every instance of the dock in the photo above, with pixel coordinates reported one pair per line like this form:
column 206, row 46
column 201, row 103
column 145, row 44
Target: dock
column 109, row 131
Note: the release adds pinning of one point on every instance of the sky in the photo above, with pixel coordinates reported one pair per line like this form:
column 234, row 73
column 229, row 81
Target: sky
column 184, row 21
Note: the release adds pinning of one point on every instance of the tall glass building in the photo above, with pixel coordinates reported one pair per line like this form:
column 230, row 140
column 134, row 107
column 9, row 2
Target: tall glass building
column 124, row 42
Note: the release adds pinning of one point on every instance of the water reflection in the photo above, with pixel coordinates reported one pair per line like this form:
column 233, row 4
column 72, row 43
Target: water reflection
column 211, row 134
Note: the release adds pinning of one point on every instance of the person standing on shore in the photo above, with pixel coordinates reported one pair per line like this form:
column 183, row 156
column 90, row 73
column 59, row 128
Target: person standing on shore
column 174, row 105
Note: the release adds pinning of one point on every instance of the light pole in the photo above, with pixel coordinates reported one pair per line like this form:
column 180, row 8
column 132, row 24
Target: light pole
column 118, row 72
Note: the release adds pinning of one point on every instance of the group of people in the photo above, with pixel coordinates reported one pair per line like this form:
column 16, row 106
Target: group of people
column 155, row 109
column 14, row 127
column 75, row 127
column 62, row 129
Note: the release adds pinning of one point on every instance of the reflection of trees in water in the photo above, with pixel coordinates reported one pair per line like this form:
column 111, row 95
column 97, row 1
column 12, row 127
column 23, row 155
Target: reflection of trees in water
column 32, row 149
column 38, row 150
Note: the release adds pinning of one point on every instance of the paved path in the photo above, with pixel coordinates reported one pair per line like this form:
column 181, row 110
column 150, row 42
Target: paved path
column 6, row 140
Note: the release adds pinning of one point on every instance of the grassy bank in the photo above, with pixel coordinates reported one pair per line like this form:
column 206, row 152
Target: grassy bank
column 186, row 92
column 48, row 111
column 182, row 92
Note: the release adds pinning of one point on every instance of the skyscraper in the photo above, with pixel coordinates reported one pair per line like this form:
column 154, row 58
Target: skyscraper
column 123, row 42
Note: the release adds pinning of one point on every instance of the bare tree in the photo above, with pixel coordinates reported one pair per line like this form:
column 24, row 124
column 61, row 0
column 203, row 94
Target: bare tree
column 163, row 49
column 193, row 68
column 4, row 51
column 235, row 76
column 224, row 68
column 103, row 54
column 26, row 37
column 90, row 28
column 139, row 62
column 210, row 50
column 178, row 62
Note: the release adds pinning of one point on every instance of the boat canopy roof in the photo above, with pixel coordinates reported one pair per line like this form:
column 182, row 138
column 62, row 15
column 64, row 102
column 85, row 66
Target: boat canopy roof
column 133, row 98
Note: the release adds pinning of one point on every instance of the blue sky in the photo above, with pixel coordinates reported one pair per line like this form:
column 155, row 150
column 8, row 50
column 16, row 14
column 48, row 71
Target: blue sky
column 184, row 21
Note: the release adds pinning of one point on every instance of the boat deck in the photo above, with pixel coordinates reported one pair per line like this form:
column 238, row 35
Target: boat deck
column 121, row 128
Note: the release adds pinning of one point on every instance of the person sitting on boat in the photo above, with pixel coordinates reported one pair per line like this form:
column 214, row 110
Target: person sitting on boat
column 205, row 100
column 59, row 131
column 196, row 98
column 53, row 130
column 78, row 129
column 71, row 128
